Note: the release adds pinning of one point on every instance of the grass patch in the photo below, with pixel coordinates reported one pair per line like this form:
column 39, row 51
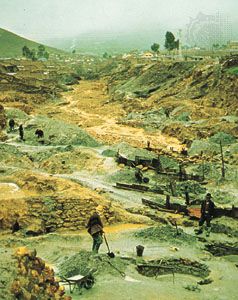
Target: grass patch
column 233, row 71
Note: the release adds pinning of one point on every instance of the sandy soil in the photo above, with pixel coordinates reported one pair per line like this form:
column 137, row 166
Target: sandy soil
column 87, row 106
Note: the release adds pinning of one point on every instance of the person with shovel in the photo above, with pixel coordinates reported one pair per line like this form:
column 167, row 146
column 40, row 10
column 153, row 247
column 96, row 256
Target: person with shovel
column 95, row 229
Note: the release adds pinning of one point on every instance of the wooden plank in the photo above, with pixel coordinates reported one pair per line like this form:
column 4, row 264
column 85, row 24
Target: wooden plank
column 134, row 187
column 174, row 207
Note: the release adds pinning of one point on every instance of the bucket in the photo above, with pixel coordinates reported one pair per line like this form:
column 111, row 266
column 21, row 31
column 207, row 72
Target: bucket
column 139, row 250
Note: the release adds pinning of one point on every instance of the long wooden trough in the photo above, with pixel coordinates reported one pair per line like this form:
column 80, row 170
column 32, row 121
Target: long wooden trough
column 155, row 164
column 193, row 212
column 133, row 187
column 173, row 208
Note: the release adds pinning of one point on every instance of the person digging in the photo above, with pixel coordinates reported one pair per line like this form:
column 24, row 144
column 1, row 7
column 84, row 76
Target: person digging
column 207, row 211
column 95, row 229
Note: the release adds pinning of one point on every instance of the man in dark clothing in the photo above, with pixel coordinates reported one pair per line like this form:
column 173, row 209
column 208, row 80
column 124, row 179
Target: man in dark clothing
column 207, row 211
column 95, row 229
column 11, row 124
column 139, row 175
column 21, row 132
column 148, row 145
column 15, row 226
column 39, row 133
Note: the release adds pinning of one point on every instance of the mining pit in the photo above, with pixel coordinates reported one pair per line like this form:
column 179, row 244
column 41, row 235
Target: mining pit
column 144, row 151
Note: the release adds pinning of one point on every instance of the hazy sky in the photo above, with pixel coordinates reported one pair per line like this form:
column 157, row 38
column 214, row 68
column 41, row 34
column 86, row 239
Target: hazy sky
column 41, row 19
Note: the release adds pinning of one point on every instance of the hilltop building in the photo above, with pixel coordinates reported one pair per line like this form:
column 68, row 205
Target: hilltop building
column 147, row 55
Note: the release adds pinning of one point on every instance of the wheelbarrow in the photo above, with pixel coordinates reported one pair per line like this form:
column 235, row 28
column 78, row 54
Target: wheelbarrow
column 78, row 282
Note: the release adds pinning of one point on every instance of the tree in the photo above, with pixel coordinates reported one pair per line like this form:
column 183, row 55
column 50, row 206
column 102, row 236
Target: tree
column 41, row 51
column 33, row 55
column 170, row 42
column 26, row 52
column 105, row 55
column 155, row 47
column 215, row 46
column 46, row 55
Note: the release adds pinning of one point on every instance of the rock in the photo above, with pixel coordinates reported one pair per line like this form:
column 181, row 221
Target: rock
column 38, row 282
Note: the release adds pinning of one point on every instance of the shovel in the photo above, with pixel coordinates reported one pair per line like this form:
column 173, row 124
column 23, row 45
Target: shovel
column 109, row 253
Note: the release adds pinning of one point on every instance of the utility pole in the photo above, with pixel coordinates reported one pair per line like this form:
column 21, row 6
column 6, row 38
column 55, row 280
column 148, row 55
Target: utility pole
column 222, row 162
column 203, row 166
column 180, row 43
column 203, row 170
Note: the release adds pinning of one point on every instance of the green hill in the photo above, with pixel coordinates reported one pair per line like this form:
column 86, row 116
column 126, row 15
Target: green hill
column 11, row 44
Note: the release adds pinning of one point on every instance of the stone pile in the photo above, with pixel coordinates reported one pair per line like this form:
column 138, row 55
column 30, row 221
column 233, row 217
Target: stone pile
column 51, row 213
column 35, row 279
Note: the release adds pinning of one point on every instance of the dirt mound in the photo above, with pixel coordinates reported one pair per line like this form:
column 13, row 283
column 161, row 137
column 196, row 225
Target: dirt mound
column 85, row 262
column 165, row 234
column 57, row 133
column 129, row 152
column 71, row 161
column 204, row 146
column 11, row 156
column 224, row 138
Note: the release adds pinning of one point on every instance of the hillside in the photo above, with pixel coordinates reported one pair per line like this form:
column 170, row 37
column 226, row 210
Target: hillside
column 97, row 43
column 11, row 44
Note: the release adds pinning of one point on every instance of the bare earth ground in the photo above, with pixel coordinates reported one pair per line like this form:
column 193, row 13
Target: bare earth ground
column 88, row 107
column 56, row 247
